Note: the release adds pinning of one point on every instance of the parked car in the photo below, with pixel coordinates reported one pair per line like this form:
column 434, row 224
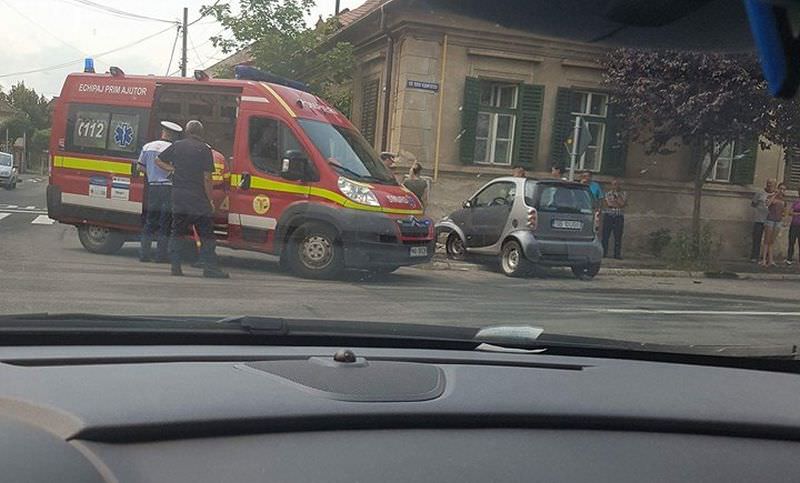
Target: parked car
column 527, row 222
column 8, row 173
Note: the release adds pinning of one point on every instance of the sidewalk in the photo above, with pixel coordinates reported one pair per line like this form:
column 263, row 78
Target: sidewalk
column 729, row 269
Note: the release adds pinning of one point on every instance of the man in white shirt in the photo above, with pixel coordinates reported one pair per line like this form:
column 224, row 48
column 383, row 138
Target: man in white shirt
column 158, row 197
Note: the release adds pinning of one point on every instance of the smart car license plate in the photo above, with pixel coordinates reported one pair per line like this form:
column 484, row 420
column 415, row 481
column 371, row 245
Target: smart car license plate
column 568, row 224
column 419, row 251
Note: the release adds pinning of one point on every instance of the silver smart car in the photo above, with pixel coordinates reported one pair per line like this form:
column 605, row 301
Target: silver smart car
column 526, row 221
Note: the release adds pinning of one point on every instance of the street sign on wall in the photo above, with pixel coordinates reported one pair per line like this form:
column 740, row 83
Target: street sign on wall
column 425, row 86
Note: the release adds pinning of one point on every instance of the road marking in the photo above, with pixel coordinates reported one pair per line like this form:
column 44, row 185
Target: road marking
column 12, row 206
column 3, row 215
column 742, row 313
column 43, row 220
column 31, row 207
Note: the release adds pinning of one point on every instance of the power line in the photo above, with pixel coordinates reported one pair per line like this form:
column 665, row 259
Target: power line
column 119, row 13
column 40, row 27
column 97, row 55
column 174, row 44
column 196, row 54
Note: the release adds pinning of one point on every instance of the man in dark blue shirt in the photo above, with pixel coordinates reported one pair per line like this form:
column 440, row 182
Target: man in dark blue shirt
column 191, row 163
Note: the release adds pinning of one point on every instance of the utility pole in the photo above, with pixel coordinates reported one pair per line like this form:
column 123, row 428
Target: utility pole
column 336, row 11
column 185, row 32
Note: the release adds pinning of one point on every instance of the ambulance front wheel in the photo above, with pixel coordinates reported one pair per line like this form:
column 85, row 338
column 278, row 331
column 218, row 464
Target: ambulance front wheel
column 315, row 251
column 98, row 239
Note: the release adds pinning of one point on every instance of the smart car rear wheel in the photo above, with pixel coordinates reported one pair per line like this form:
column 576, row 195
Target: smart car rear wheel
column 512, row 260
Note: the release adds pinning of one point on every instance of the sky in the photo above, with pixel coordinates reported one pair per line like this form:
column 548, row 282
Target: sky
column 36, row 34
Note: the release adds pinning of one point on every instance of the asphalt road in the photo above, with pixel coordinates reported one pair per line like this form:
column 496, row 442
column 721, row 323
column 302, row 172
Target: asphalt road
column 43, row 268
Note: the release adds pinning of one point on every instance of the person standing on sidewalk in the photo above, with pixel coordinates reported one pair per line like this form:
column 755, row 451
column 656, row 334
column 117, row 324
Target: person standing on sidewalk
column 759, row 204
column 417, row 185
column 594, row 187
column 614, row 218
column 794, row 231
column 158, row 216
column 776, row 206
column 191, row 163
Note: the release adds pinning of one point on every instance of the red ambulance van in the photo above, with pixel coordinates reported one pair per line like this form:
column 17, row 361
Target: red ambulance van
column 298, row 179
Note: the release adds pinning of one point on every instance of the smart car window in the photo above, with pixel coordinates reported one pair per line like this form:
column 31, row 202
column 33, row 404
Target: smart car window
column 488, row 195
column 565, row 199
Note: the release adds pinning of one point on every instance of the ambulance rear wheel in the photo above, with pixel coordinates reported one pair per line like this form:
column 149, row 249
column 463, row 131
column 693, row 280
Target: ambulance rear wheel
column 99, row 239
column 315, row 251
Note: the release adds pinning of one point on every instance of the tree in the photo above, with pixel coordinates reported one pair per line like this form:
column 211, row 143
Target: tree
column 277, row 37
column 703, row 100
column 31, row 111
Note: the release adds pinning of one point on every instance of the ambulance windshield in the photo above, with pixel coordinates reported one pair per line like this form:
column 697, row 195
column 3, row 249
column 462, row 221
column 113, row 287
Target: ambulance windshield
column 347, row 151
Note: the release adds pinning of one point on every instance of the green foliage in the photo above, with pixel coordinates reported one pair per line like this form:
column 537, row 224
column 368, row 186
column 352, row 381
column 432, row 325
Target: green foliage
column 31, row 111
column 657, row 242
column 276, row 35
column 682, row 254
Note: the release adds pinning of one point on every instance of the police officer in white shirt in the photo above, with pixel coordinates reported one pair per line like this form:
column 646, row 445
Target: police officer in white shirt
column 158, row 199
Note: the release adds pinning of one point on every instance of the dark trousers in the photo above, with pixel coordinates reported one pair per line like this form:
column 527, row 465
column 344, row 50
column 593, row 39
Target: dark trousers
column 794, row 239
column 181, row 226
column 758, row 235
column 157, row 220
column 613, row 224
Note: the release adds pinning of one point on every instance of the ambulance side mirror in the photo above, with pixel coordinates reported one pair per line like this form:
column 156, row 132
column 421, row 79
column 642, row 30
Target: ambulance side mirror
column 294, row 166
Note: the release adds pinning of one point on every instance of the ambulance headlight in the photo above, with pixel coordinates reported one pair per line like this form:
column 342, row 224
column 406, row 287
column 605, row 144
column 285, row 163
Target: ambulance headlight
column 358, row 192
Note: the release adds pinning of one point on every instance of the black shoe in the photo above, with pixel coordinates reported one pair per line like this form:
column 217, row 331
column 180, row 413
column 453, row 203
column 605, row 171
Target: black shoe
column 176, row 271
column 145, row 259
column 198, row 265
column 215, row 273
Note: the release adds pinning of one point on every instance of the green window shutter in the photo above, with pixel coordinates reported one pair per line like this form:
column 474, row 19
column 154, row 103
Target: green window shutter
column 744, row 161
column 562, row 127
column 369, row 109
column 615, row 148
column 529, row 120
column 469, row 119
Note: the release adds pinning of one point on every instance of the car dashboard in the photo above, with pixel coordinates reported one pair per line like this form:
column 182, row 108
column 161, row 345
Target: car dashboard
column 253, row 413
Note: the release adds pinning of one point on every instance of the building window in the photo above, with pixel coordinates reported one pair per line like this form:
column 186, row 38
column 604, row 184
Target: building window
column 593, row 108
column 721, row 172
column 497, row 119
column 369, row 109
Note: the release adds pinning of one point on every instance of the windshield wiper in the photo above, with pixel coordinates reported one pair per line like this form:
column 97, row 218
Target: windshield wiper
column 365, row 177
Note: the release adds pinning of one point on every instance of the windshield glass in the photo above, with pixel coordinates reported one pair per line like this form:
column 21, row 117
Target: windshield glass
column 626, row 187
column 5, row 159
column 347, row 151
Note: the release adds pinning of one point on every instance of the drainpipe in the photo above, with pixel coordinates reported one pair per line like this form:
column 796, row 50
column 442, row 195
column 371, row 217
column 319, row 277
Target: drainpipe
column 439, row 115
column 387, row 76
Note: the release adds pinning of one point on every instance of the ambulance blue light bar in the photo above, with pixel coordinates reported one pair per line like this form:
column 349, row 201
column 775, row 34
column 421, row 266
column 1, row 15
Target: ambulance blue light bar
column 247, row 72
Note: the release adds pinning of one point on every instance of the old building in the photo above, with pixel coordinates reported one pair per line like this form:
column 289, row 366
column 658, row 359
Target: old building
column 468, row 99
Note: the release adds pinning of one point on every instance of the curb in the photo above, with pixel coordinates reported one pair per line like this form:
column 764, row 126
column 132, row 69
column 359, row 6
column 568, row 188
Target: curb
column 462, row 266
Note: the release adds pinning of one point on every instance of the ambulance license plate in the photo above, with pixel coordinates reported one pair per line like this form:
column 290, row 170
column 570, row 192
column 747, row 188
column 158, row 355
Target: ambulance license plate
column 419, row 251
column 568, row 224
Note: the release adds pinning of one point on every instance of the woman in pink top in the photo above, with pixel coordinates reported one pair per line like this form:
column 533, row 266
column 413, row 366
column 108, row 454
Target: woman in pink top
column 794, row 231
column 776, row 205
